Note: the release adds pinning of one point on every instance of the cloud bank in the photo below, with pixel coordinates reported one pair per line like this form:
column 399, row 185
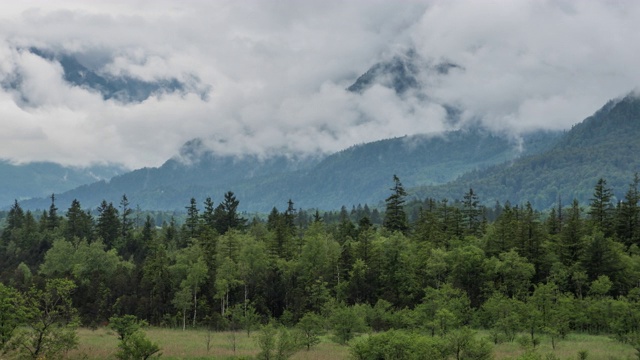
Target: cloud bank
column 277, row 72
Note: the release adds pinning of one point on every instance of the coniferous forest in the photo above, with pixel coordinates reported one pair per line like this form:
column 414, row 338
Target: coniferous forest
column 421, row 278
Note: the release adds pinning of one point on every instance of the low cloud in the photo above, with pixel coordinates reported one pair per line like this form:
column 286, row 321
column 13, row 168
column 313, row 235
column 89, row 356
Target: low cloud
column 276, row 72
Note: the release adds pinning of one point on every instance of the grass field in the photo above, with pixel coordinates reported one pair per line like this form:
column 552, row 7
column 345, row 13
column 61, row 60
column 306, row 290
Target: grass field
column 192, row 344
column 598, row 348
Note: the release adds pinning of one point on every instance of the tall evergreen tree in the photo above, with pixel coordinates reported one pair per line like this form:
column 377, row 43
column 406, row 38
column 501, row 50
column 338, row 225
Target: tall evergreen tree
column 290, row 216
column 79, row 223
column 108, row 224
column 555, row 220
column 226, row 214
column 192, row 223
column 208, row 217
column 601, row 209
column 471, row 212
column 395, row 218
column 14, row 221
column 571, row 242
column 15, row 216
column 126, row 222
column 628, row 215
column 53, row 220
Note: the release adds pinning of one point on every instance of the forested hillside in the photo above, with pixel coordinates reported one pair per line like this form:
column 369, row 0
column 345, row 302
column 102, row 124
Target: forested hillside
column 543, row 168
column 354, row 176
column 39, row 179
column 524, row 274
column 603, row 145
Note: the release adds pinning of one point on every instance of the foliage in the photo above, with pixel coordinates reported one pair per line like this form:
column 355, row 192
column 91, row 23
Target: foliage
column 311, row 326
column 516, row 271
column 399, row 345
column 136, row 346
column 346, row 322
column 395, row 218
column 12, row 313
column 125, row 325
column 50, row 322
column 277, row 343
column 133, row 344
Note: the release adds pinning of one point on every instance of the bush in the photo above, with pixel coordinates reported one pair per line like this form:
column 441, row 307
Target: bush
column 277, row 343
column 137, row 347
column 397, row 345
column 346, row 322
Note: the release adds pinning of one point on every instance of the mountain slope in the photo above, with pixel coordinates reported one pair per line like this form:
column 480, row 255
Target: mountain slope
column 401, row 73
column 603, row 145
column 123, row 88
column 42, row 179
column 360, row 174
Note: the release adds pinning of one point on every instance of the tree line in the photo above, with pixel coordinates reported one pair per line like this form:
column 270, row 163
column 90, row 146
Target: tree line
column 432, row 267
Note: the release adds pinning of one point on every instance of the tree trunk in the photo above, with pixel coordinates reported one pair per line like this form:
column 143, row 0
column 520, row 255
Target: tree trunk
column 195, row 305
column 184, row 318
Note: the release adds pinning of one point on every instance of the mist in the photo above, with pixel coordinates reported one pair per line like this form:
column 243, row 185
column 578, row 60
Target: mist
column 276, row 73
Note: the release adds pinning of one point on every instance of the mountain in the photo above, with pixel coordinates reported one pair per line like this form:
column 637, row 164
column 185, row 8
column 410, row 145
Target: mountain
column 402, row 73
column 408, row 73
column 541, row 168
column 604, row 145
column 193, row 173
column 360, row 174
column 41, row 179
column 122, row 88
column 363, row 173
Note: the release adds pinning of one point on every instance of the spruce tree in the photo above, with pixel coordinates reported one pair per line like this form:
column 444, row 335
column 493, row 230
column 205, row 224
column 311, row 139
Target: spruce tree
column 600, row 208
column 628, row 215
column 471, row 212
column 226, row 214
column 126, row 223
column 53, row 220
column 79, row 223
column 193, row 219
column 207, row 215
column 570, row 241
column 108, row 224
column 395, row 218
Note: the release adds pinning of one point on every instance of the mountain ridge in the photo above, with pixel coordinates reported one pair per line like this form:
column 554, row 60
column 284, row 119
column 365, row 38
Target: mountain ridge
column 604, row 145
column 359, row 174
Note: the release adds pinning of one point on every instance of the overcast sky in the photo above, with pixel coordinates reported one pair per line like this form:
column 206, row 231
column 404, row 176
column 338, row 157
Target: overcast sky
column 277, row 72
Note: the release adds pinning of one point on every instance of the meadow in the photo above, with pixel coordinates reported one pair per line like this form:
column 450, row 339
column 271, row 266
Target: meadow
column 102, row 343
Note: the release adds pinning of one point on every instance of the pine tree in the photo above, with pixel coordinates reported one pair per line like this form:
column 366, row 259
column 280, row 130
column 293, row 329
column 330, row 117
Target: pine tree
column 395, row 218
column 471, row 212
column 192, row 223
column 79, row 223
column 207, row 216
column 628, row 215
column 108, row 224
column 226, row 214
column 15, row 217
column 126, row 222
column 53, row 220
column 290, row 216
column 601, row 209
column 14, row 221
column 571, row 243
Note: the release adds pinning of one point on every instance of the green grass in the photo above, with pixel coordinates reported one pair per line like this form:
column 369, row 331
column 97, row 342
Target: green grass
column 192, row 344
column 599, row 347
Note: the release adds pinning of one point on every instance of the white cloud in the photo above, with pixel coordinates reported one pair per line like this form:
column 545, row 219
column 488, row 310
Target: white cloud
column 277, row 71
column 535, row 64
